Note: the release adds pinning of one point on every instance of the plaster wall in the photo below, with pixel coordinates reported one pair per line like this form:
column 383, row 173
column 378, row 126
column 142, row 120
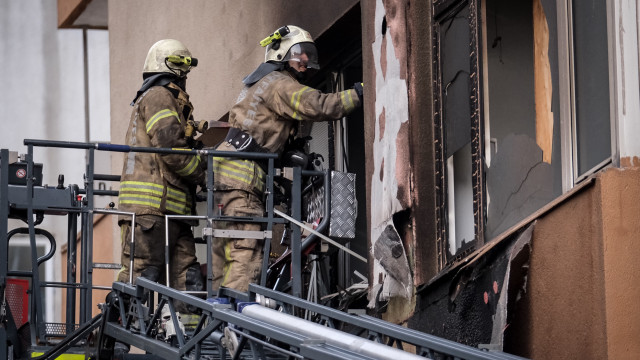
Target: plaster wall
column 620, row 209
column 223, row 36
column 566, row 284
column 398, row 133
column 581, row 287
column 390, row 176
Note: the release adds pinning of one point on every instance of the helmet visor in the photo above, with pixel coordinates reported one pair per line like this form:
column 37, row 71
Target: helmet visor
column 304, row 53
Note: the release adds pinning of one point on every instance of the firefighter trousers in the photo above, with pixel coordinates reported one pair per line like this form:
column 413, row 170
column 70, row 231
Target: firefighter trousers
column 237, row 262
column 149, row 259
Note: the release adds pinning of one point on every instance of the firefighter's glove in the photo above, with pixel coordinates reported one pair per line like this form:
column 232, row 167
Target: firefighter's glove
column 359, row 87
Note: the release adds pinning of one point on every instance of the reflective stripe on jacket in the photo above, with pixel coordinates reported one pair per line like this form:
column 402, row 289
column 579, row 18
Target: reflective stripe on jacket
column 152, row 195
column 237, row 174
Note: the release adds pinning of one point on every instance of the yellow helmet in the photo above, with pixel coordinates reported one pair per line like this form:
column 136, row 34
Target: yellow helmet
column 169, row 56
column 288, row 42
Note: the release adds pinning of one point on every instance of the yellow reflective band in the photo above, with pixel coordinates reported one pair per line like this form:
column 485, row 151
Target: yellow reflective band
column 150, row 194
column 295, row 102
column 62, row 357
column 261, row 174
column 145, row 203
column 233, row 175
column 246, row 170
column 176, row 195
column 161, row 115
column 347, row 102
column 191, row 167
column 240, row 177
column 142, row 184
column 140, row 200
column 176, row 207
column 236, row 165
column 138, row 186
column 240, row 170
column 242, row 165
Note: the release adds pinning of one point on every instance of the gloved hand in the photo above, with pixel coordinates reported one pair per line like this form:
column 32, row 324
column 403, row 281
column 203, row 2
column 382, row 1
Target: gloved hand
column 359, row 87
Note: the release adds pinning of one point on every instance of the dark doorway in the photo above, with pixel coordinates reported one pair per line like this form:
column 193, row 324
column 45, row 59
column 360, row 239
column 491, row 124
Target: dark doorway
column 341, row 143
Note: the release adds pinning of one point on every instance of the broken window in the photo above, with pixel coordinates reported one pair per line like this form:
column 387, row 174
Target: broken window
column 534, row 123
column 457, row 123
column 523, row 171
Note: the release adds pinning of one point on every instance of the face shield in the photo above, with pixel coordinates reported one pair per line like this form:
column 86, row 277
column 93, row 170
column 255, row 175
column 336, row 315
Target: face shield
column 304, row 53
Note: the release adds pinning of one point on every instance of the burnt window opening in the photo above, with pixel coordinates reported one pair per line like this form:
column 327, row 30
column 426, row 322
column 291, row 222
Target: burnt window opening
column 522, row 166
column 503, row 150
column 457, row 120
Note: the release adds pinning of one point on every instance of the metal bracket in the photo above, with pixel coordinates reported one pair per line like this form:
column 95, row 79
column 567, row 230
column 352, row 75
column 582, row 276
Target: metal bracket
column 242, row 234
column 287, row 173
column 13, row 157
column 207, row 231
column 110, row 266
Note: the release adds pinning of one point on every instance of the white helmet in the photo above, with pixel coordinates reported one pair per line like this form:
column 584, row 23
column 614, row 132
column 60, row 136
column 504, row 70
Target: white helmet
column 169, row 56
column 288, row 43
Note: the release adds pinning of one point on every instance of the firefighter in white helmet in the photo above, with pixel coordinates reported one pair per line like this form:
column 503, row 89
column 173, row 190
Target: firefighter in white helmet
column 153, row 185
column 264, row 118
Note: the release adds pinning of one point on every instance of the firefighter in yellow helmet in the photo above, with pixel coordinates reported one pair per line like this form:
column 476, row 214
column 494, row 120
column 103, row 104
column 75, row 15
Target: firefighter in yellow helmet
column 264, row 118
column 152, row 184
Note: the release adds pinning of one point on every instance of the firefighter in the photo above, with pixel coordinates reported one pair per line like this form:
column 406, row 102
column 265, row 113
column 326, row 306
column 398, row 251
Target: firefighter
column 265, row 117
column 153, row 185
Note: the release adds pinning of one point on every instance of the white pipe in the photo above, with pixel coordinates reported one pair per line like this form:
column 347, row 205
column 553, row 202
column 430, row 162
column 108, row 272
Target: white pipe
column 331, row 336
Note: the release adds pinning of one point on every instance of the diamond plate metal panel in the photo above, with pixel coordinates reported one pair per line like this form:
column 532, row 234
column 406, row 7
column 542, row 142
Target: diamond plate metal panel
column 314, row 201
column 344, row 206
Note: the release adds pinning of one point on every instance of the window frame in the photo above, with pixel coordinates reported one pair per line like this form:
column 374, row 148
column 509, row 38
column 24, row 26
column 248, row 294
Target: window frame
column 442, row 11
column 566, row 90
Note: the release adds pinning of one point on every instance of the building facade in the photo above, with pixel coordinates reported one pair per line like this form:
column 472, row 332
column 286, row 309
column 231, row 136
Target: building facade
column 496, row 144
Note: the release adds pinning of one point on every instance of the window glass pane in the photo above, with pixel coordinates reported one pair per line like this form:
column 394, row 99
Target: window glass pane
column 518, row 179
column 455, row 81
column 591, row 71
